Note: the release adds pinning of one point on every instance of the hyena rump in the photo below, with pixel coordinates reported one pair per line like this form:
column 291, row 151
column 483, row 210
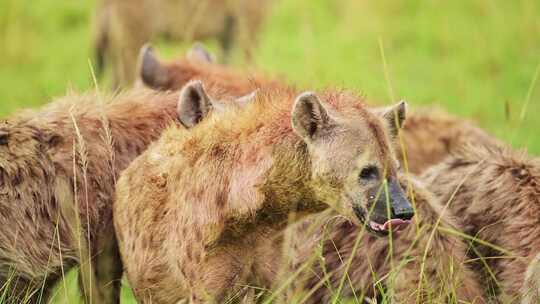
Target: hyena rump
column 194, row 213
column 495, row 192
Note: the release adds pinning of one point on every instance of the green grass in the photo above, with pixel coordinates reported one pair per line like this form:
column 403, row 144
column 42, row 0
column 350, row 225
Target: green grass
column 474, row 58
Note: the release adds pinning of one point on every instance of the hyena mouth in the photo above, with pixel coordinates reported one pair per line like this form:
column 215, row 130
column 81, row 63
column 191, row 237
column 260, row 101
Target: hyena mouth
column 393, row 225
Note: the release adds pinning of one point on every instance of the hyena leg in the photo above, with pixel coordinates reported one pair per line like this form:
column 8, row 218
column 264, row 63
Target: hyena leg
column 228, row 36
column 530, row 291
column 87, row 280
column 221, row 277
column 125, row 42
column 108, row 269
column 100, row 277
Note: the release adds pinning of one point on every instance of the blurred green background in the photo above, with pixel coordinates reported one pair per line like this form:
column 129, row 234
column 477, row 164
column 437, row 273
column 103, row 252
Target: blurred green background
column 474, row 58
column 478, row 59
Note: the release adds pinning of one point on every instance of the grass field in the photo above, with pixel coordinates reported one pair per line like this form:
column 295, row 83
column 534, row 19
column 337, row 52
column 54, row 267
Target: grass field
column 478, row 59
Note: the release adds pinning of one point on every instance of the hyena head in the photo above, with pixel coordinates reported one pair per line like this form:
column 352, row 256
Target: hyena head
column 27, row 172
column 353, row 166
column 194, row 104
column 167, row 76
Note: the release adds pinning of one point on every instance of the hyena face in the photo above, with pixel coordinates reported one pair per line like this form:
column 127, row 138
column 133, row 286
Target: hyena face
column 354, row 168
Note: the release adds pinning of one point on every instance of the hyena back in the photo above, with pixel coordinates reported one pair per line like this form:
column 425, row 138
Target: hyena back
column 495, row 193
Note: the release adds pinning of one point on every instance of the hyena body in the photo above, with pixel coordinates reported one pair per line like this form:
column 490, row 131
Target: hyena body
column 428, row 136
column 124, row 26
column 58, row 167
column 58, row 170
column 195, row 212
column 495, row 193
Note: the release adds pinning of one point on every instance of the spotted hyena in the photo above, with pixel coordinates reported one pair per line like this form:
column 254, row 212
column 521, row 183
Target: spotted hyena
column 495, row 193
column 194, row 213
column 428, row 136
column 124, row 26
column 58, row 168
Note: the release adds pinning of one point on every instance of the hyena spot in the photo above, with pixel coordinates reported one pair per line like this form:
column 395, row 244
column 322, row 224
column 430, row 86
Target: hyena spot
column 189, row 252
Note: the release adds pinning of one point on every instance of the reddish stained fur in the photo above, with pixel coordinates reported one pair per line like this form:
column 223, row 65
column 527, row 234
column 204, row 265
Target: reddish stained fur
column 498, row 201
column 37, row 180
column 224, row 79
column 429, row 136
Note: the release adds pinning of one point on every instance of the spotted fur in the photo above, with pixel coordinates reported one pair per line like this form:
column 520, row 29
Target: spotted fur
column 495, row 192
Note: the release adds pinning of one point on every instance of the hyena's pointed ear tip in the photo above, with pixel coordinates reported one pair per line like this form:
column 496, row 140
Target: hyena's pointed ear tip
column 191, row 89
column 194, row 83
column 199, row 51
column 404, row 103
column 197, row 45
column 147, row 48
column 306, row 96
column 147, row 53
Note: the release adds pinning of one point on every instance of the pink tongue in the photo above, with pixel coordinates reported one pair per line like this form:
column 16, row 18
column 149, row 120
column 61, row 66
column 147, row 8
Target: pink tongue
column 396, row 224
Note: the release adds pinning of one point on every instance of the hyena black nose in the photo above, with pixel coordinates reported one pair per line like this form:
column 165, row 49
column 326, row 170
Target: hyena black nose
column 401, row 208
column 403, row 213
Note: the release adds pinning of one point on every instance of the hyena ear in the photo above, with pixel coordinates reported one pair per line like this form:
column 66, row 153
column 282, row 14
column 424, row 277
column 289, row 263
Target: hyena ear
column 247, row 99
column 199, row 52
column 309, row 116
column 150, row 69
column 193, row 104
column 394, row 117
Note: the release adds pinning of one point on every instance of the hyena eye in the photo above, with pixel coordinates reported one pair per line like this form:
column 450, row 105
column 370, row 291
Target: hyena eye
column 4, row 137
column 369, row 173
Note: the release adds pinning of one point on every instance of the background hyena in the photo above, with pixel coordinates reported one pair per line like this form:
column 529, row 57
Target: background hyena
column 195, row 211
column 428, row 136
column 124, row 26
column 495, row 192
column 58, row 168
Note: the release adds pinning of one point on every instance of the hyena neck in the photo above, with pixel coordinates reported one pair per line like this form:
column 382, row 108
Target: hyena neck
column 132, row 134
column 289, row 190
column 288, row 195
